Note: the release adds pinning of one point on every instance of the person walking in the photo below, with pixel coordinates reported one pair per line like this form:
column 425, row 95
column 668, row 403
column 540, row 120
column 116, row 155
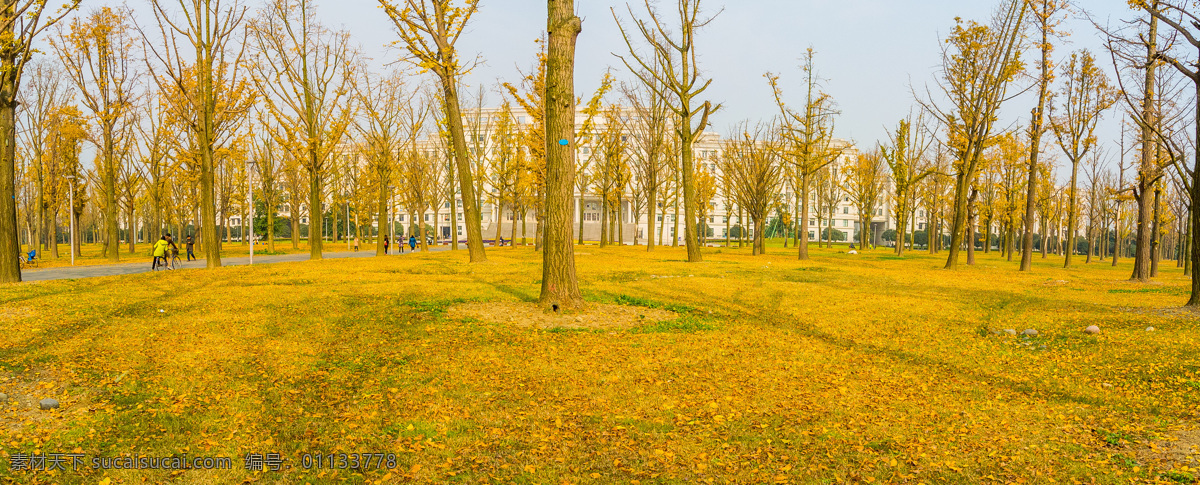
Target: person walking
column 386, row 242
column 356, row 243
column 160, row 252
column 412, row 242
column 191, row 255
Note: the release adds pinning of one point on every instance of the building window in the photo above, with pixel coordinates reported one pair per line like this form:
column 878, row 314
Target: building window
column 812, row 222
column 725, row 219
column 427, row 217
column 845, row 223
column 812, row 235
column 401, row 218
column 845, row 210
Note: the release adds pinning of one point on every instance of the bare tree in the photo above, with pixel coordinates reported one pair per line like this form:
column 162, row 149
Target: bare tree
column 807, row 139
column 677, row 79
column 751, row 161
column 648, row 129
column 1176, row 14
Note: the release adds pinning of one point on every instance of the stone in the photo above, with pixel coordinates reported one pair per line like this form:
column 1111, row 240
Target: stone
column 853, row 252
column 48, row 403
column 1030, row 332
column 3, row 397
column 1149, row 329
column 1092, row 330
column 1010, row 331
column 1107, row 385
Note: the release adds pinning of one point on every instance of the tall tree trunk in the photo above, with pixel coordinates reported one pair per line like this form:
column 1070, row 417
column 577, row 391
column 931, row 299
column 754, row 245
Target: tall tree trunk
column 499, row 209
column 10, row 243
column 463, row 165
column 650, row 197
column 1072, row 220
column 270, row 229
column 1035, row 141
column 760, row 246
column 132, row 237
column 1156, row 234
column 603, row 218
column 957, row 229
column 1147, row 171
column 384, row 216
column 560, row 290
column 802, row 242
column 582, row 204
column 675, row 220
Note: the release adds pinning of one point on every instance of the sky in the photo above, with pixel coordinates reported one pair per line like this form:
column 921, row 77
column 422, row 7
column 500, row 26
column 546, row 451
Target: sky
column 871, row 54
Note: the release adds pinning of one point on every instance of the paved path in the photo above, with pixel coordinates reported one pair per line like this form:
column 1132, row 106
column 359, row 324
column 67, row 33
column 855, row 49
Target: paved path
column 77, row 272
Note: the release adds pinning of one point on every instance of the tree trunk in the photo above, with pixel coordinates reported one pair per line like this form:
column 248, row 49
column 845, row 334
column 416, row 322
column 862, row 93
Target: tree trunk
column 582, row 204
column 1035, row 141
column 499, row 211
column 961, row 185
column 675, row 220
column 560, row 290
column 649, row 221
column 760, row 246
column 1072, row 208
column 802, row 242
column 384, row 216
column 1147, row 169
column 463, row 165
column 603, row 219
column 1156, row 238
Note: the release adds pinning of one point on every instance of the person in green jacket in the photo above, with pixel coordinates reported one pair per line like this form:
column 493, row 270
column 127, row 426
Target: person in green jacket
column 160, row 252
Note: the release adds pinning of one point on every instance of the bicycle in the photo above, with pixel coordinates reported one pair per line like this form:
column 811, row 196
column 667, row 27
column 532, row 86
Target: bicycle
column 174, row 263
column 28, row 261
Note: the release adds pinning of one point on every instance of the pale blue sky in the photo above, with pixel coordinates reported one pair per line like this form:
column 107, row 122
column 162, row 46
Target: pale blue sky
column 869, row 51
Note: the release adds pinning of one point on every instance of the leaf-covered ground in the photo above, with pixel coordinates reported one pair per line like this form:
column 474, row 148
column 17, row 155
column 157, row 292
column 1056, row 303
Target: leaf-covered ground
column 847, row 368
column 93, row 254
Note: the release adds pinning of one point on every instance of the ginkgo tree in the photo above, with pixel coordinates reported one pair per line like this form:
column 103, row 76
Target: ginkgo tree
column 429, row 31
column 22, row 21
column 1086, row 93
column 95, row 52
column 304, row 72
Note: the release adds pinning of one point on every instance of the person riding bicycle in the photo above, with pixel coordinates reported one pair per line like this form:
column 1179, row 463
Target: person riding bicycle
column 160, row 252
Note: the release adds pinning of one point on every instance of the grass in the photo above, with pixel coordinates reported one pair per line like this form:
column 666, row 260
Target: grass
column 840, row 369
